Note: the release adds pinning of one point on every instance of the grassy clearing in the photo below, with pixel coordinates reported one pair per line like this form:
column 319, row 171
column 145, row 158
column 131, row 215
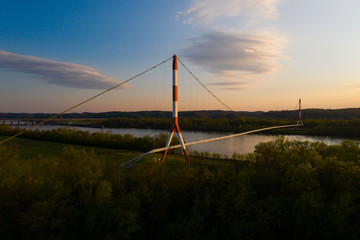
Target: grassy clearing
column 29, row 148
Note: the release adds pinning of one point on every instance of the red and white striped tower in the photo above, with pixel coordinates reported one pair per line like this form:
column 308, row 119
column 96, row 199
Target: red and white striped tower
column 175, row 124
column 300, row 120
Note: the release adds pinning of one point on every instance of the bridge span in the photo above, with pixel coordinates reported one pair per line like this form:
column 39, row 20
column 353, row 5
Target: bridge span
column 84, row 122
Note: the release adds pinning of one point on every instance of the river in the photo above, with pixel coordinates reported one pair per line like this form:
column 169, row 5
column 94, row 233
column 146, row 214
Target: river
column 242, row 144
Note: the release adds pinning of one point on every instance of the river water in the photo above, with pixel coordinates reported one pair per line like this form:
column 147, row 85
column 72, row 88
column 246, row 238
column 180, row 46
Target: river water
column 241, row 144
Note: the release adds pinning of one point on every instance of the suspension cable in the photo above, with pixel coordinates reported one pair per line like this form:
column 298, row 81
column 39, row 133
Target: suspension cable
column 83, row 102
column 203, row 85
column 133, row 161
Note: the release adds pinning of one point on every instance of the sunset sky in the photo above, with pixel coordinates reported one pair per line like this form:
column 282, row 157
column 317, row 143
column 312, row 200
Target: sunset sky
column 254, row 55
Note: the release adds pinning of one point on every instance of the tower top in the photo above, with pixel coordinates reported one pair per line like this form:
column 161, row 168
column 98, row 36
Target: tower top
column 175, row 67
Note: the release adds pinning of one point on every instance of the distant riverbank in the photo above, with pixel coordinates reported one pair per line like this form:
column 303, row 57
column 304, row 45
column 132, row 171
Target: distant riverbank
column 312, row 127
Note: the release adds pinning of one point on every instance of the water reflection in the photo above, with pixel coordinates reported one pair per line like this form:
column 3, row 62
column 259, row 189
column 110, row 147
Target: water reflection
column 242, row 144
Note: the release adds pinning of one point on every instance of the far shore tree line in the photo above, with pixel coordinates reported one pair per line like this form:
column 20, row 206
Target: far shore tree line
column 315, row 127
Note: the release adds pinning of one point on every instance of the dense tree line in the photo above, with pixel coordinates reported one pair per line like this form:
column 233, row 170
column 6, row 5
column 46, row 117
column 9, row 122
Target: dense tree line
column 347, row 128
column 284, row 190
column 330, row 114
column 344, row 128
column 197, row 124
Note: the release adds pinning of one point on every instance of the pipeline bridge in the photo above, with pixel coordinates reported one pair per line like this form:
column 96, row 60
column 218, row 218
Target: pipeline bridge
column 83, row 122
column 174, row 129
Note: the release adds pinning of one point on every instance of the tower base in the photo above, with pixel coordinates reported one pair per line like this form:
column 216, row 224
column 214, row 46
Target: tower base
column 175, row 129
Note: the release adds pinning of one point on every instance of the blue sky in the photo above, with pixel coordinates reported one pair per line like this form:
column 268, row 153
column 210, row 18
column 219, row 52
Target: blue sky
column 255, row 55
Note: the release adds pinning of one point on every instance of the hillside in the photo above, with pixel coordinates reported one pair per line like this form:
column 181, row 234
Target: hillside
column 330, row 114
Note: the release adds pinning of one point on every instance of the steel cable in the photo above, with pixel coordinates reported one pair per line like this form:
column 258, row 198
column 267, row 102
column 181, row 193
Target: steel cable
column 83, row 102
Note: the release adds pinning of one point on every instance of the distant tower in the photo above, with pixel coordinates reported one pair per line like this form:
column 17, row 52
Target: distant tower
column 300, row 120
column 175, row 125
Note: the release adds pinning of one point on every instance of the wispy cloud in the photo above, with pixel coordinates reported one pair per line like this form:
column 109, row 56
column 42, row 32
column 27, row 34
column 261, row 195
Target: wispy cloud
column 205, row 11
column 352, row 87
column 232, row 53
column 228, row 83
column 58, row 73
column 233, row 88
column 239, row 53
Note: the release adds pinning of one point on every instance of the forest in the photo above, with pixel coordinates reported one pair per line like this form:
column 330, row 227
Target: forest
column 330, row 114
column 283, row 190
